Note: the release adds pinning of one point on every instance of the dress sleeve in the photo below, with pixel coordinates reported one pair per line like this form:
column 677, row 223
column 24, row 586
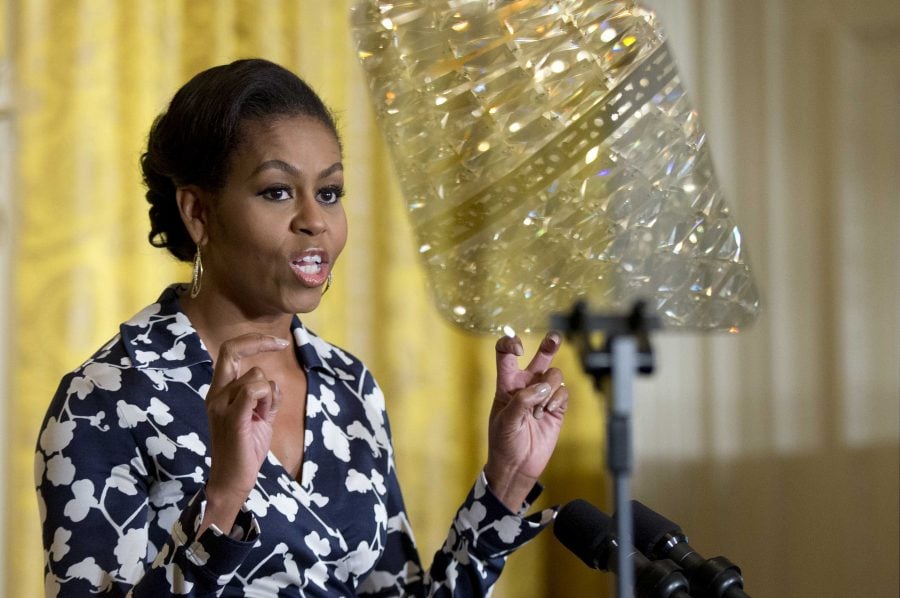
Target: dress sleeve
column 95, row 498
column 483, row 533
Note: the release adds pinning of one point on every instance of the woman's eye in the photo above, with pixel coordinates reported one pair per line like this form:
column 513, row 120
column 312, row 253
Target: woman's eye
column 331, row 195
column 277, row 193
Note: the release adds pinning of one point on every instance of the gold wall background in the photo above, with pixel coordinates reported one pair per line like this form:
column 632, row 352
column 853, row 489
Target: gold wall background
column 779, row 448
column 88, row 78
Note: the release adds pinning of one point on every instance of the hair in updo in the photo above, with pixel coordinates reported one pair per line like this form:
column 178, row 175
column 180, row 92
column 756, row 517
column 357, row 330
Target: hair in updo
column 192, row 141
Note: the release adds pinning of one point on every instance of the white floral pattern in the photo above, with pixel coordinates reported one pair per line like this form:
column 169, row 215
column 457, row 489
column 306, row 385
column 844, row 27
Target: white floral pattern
column 122, row 458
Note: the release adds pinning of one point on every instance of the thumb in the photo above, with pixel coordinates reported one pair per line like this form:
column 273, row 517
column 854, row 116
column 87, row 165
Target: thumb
column 275, row 404
column 531, row 396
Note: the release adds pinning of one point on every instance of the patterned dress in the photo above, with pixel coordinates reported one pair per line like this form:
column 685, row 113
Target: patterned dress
column 123, row 455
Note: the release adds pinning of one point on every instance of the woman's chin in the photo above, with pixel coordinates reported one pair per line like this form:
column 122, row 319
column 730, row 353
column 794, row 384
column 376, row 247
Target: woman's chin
column 307, row 300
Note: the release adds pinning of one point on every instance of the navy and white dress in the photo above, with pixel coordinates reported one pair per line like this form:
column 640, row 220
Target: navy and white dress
column 123, row 455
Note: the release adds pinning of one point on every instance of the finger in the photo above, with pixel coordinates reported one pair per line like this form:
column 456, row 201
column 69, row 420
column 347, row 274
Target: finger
column 251, row 378
column 549, row 346
column 222, row 399
column 228, row 363
column 509, row 349
column 532, row 396
column 271, row 407
column 554, row 378
column 253, row 399
column 559, row 401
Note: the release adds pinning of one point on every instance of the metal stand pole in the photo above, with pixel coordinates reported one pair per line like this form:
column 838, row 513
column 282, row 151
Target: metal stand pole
column 613, row 366
column 624, row 362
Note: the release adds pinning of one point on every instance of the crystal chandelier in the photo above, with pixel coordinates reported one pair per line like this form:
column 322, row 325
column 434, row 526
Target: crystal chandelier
column 548, row 153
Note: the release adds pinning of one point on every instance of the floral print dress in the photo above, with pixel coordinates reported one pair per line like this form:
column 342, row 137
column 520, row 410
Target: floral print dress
column 123, row 455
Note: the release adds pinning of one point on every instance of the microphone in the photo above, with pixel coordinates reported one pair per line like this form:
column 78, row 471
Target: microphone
column 588, row 532
column 659, row 538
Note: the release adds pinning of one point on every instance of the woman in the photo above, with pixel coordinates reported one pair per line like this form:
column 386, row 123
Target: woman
column 216, row 446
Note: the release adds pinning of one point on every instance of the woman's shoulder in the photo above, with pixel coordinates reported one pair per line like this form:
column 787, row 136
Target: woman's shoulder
column 105, row 365
column 90, row 396
column 157, row 338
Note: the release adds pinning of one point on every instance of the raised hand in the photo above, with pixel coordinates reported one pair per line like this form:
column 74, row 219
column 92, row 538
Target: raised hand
column 241, row 408
column 525, row 420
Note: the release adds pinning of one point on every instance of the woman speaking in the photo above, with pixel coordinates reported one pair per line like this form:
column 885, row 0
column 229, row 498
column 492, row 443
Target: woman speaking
column 216, row 446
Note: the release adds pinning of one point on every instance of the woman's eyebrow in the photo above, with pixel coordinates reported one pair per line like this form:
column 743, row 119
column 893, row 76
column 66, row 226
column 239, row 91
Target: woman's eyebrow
column 278, row 165
column 293, row 170
column 336, row 167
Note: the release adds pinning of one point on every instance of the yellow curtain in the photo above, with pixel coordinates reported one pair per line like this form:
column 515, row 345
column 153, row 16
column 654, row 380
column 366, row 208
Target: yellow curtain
column 90, row 75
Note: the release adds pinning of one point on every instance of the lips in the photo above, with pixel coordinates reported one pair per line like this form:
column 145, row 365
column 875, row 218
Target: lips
column 311, row 267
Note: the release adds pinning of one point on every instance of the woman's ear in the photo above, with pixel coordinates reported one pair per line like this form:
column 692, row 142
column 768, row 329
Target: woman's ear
column 193, row 205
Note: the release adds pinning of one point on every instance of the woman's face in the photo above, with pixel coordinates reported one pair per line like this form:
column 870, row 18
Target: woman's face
column 277, row 227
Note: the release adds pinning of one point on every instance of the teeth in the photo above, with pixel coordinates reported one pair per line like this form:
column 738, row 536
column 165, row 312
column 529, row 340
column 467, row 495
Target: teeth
column 309, row 264
column 312, row 269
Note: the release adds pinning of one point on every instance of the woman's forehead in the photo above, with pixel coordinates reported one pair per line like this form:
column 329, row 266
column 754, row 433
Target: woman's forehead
column 288, row 138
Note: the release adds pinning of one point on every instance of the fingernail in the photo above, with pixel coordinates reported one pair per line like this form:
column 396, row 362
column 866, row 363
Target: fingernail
column 542, row 389
column 519, row 350
column 281, row 342
column 551, row 407
column 555, row 337
column 538, row 412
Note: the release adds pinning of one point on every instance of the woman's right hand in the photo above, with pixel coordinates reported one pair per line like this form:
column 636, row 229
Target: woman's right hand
column 241, row 408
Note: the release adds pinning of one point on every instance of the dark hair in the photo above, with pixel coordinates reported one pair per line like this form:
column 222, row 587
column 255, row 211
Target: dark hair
column 192, row 141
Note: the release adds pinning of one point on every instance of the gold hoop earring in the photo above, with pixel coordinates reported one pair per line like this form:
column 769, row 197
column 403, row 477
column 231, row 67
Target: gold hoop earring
column 328, row 282
column 197, row 279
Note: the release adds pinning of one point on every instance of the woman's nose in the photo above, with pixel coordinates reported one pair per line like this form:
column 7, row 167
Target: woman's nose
column 310, row 217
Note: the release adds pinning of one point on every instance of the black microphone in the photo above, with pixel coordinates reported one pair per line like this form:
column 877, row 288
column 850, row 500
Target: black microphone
column 659, row 538
column 588, row 532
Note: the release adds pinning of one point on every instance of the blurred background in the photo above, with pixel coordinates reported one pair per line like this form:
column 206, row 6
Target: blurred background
column 777, row 447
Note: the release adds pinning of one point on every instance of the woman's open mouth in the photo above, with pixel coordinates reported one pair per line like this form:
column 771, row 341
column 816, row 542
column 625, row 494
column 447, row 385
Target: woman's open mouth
column 311, row 267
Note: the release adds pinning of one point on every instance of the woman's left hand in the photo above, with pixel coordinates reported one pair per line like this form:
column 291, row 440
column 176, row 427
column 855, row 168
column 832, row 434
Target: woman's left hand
column 525, row 420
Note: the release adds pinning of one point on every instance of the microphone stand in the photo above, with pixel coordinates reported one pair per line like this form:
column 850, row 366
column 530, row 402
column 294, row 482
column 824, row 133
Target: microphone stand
column 613, row 365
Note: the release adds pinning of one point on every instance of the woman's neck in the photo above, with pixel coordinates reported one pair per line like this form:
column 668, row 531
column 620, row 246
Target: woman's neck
column 217, row 320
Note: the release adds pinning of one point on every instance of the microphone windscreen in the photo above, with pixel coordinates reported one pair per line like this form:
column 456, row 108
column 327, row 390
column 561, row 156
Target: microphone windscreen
column 584, row 529
column 650, row 527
